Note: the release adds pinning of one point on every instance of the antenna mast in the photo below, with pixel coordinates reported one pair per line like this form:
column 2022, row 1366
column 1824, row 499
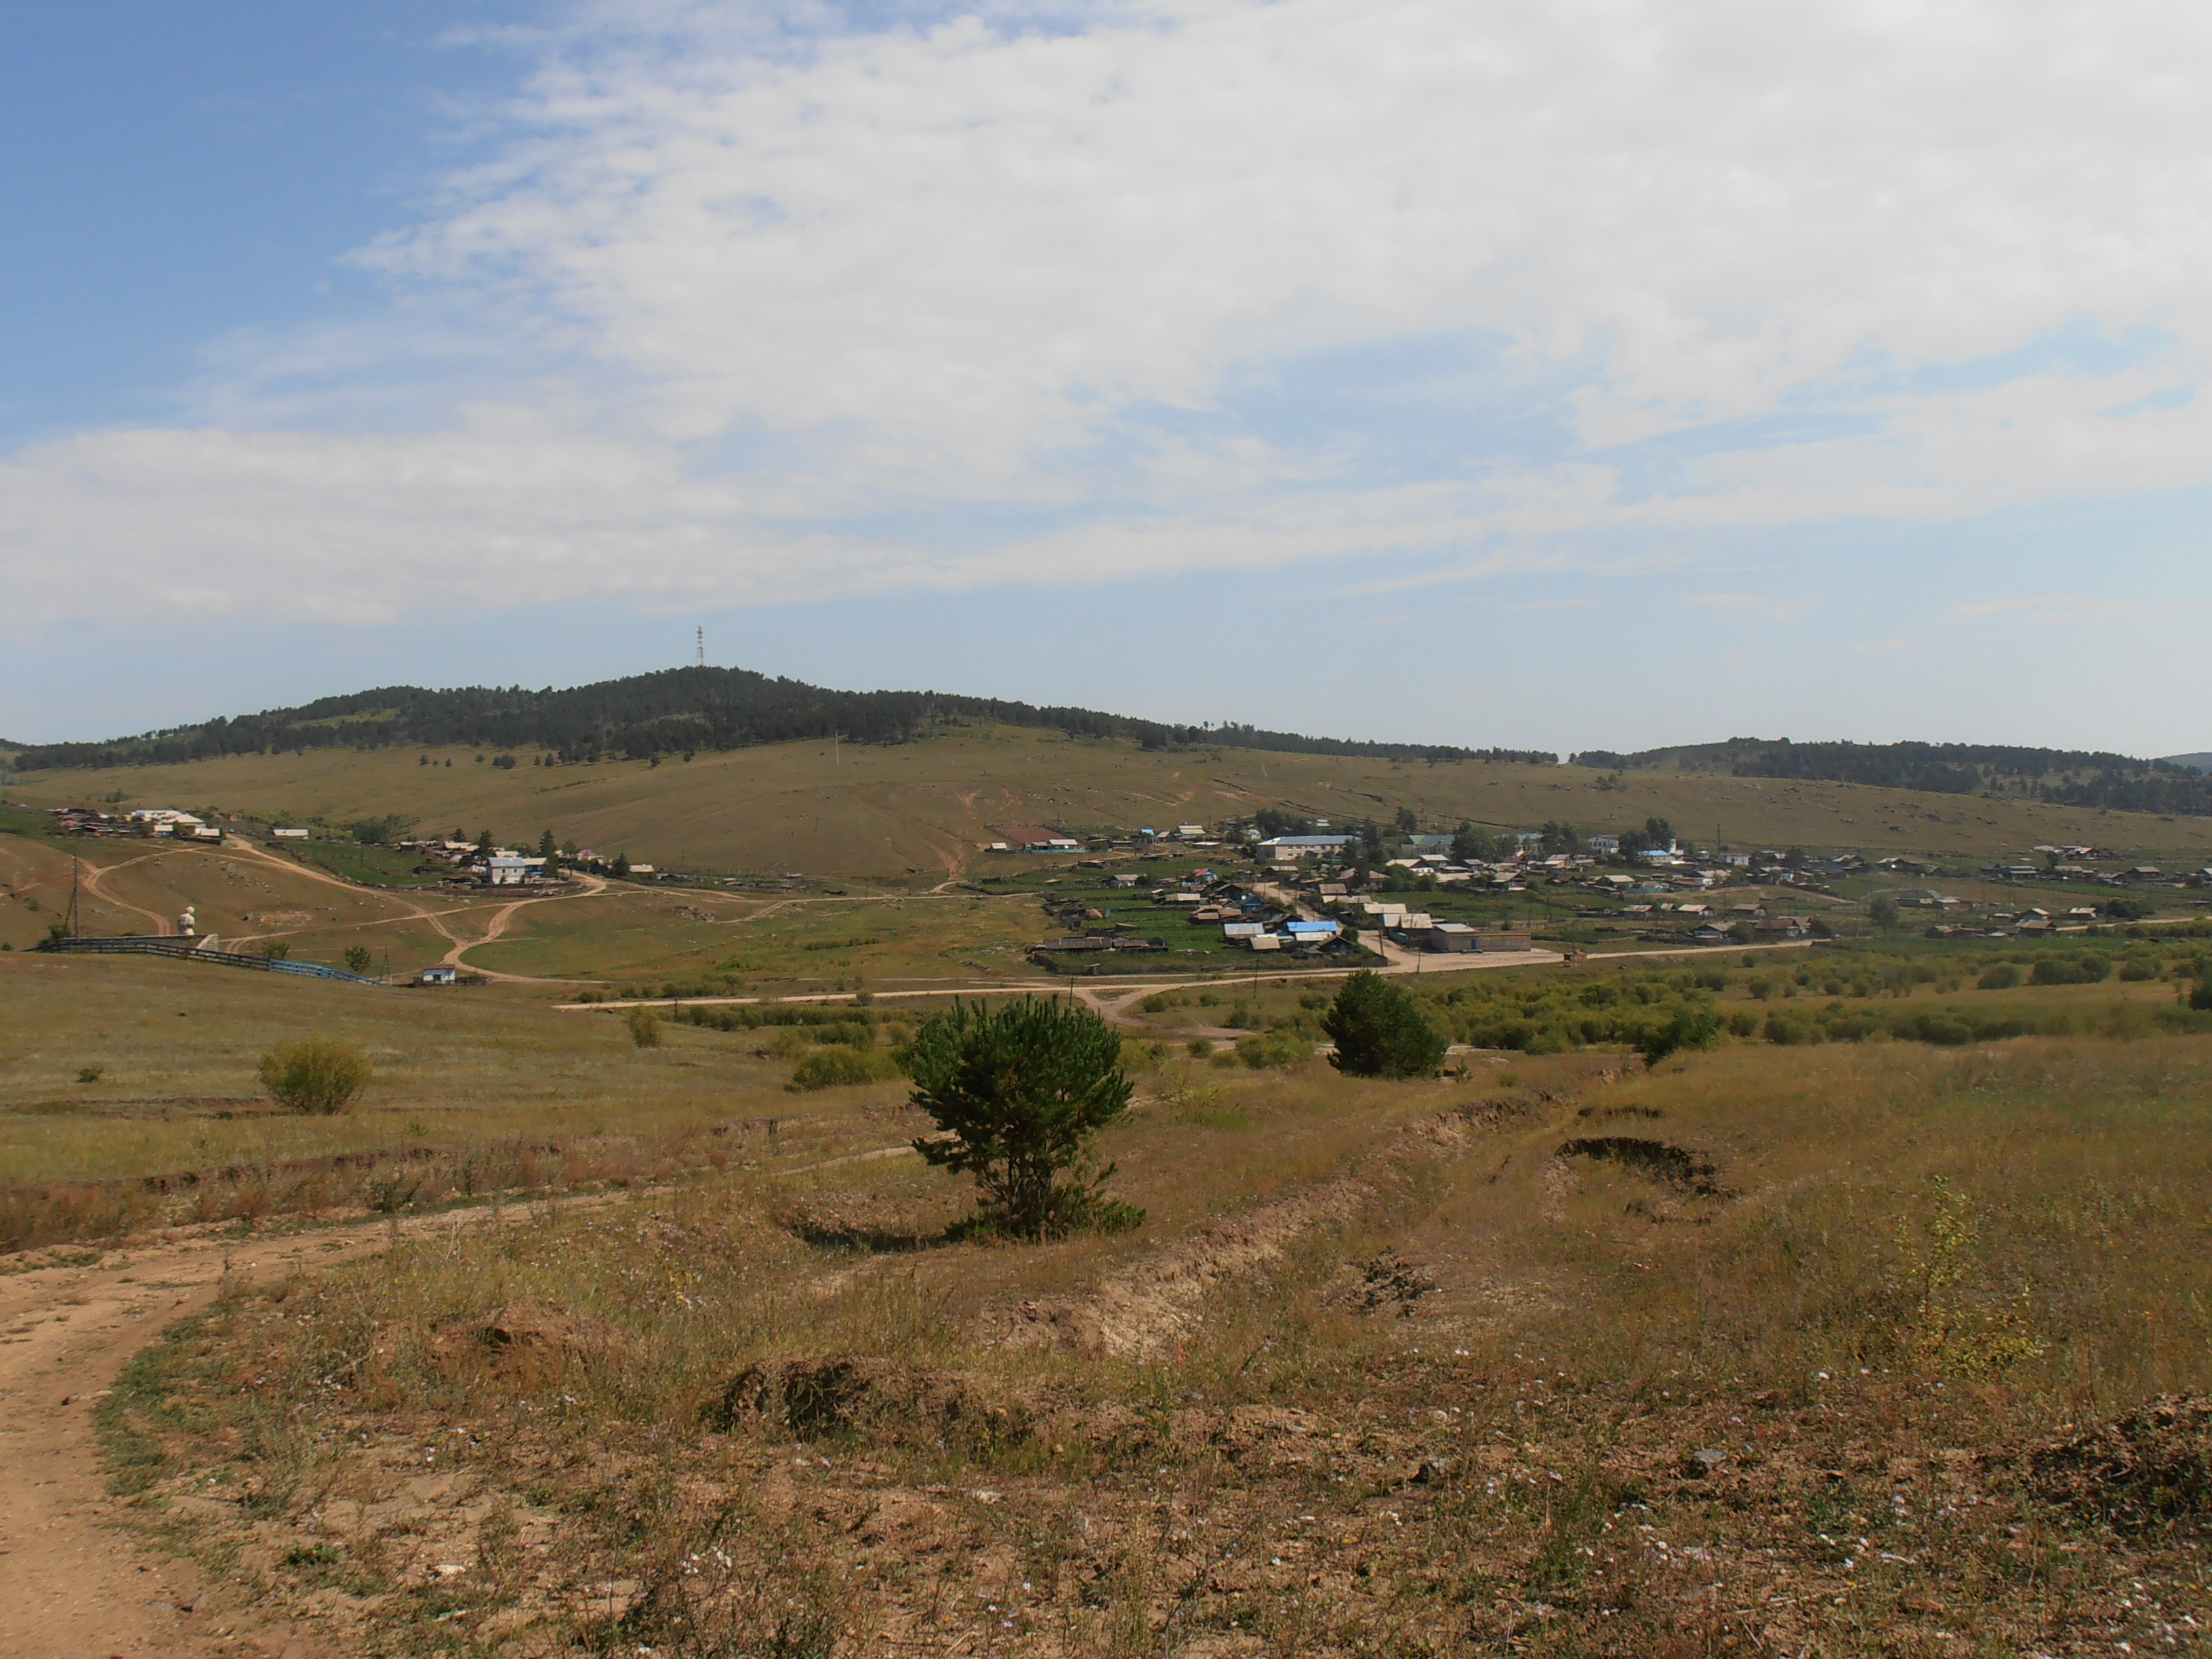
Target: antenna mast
column 702, row 645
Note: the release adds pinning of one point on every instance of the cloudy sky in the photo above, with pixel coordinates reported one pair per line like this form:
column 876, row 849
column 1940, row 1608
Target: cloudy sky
column 1597, row 373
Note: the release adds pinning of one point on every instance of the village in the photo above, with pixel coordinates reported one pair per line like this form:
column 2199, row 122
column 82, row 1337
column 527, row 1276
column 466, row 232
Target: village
column 1329, row 895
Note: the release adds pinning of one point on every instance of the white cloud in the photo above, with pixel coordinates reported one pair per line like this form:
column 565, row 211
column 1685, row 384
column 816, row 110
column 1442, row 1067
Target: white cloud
column 759, row 281
column 1750, row 607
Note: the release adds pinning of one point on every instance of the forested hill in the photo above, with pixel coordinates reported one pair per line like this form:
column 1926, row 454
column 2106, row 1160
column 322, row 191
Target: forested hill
column 668, row 713
column 2068, row 777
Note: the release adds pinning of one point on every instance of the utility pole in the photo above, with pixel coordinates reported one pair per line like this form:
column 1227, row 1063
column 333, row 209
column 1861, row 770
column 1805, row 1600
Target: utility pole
column 75, row 926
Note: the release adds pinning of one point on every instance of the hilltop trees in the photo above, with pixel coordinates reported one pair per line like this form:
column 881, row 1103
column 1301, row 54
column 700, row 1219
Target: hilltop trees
column 1018, row 1095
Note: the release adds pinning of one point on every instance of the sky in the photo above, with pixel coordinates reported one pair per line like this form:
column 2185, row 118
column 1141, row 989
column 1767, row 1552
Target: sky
column 1600, row 374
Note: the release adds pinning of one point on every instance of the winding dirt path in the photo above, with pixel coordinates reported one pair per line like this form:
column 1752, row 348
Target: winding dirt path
column 458, row 957
column 72, row 1582
column 90, row 876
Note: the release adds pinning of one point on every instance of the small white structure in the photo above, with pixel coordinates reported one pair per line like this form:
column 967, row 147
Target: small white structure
column 164, row 820
column 187, row 925
column 440, row 974
column 288, row 835
column 1189, row 831
column 511, row 870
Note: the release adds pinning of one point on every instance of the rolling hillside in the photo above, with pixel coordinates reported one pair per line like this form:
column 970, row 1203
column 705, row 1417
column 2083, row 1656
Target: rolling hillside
column 678, row 711
column 2093, row 779
column 923, row 811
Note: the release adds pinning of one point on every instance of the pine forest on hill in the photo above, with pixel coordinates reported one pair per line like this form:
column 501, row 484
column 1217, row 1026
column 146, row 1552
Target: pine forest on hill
column 2067, row 776
column 676, row 711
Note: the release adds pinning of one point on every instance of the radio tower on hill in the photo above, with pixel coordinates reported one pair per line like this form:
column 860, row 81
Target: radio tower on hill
column 702, row 645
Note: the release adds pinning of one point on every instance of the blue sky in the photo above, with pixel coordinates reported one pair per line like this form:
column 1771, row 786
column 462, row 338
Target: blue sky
column 1616, row 375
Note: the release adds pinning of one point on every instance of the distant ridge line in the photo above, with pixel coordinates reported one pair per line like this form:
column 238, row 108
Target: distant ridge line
column 2067, row 777
column 676, row 710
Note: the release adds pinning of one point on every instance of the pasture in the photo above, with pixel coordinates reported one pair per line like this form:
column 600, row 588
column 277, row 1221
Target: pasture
column 916, row 813
column 1761, row 1351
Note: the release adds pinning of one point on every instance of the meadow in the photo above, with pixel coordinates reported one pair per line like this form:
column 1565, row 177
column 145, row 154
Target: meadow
column 899, row 814
column 1759, row 1352
column 1840, row 1299
column 129, row 1099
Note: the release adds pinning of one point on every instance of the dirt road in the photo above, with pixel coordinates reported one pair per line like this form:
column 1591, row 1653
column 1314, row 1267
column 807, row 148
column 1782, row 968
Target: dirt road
column 71, row 1583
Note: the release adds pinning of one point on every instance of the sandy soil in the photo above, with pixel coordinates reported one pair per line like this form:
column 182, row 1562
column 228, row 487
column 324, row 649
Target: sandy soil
column 72, row 1582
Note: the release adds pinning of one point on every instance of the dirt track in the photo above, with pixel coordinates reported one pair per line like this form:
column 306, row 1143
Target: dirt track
column 71, row 1583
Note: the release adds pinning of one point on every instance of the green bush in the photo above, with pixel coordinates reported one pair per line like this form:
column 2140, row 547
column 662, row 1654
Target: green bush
column 2083, row 968
column 358, row 960
column 1281, row 1051
column 1685, row 1025
column 1018, row 1095
column 835, row 1066
column 1379, row 1032
column 2137, row 969
column 318, row 1077
column 2000, row 976
column 2200, row 994
column 644, row 1027
column 1793, row 1028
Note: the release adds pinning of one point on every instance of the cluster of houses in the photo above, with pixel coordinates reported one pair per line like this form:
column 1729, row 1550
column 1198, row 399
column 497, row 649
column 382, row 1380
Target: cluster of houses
column 1030, row 838
column 498, row 866
column 144, row 821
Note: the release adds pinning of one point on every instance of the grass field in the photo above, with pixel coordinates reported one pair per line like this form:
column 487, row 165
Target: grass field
column 925, row 809
column 470, row 1094
column 1775, row 1345
column 1759, row 1352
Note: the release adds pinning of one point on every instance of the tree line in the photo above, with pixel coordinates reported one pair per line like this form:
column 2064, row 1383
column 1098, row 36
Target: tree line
column 2068, row 777
column 676, row 711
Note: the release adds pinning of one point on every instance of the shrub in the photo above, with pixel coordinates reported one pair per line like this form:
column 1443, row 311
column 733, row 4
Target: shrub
column 2087, row 967
column 1685, row 1025
column 2136, row 969
column 357, row 959
column 835, row 1066
column 1379, row 1031
column 644, row 1027
column 1281, row 1051
column 275, row 950
column 1198, row 1048
column 318, row 1077
column 1792, row 1027
column 2000, row 976
column 1018, row 1094
column 2200, row 994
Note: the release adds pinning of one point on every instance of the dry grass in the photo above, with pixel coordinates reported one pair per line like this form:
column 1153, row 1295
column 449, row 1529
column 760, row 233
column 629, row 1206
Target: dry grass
column 1404, row 1381
column 923, row 808
column 470, row 1096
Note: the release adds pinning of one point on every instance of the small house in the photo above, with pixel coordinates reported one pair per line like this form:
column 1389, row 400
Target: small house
column 442, row 974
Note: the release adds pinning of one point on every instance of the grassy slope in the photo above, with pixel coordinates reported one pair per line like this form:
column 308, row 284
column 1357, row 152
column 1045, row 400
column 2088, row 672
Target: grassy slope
column 1911, row 1257
column 923, row 809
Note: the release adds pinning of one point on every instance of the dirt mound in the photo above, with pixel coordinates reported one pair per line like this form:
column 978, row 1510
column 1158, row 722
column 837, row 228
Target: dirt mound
column 1657, row 1158
column 1143, row 1311
column 1461, row 1123
column 528, row 1342
column 1388, row 1281
column 2153, row 1465
column 844, row 1394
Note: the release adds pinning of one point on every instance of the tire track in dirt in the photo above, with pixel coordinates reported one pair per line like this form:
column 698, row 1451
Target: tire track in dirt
column 72, row 1582
column 90, row 876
